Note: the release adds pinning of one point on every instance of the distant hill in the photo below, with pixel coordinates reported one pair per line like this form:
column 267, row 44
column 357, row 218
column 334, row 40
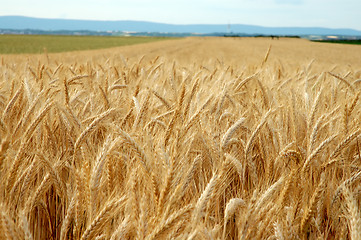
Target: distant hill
column 20, row 22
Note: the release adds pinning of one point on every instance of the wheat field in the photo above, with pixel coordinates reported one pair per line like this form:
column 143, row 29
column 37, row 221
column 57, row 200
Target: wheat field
column 195, row 138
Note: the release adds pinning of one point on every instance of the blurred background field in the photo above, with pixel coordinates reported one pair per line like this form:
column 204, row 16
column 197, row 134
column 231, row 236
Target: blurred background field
column 16, row 44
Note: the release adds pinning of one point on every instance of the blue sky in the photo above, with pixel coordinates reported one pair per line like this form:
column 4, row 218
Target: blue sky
column 277, row 13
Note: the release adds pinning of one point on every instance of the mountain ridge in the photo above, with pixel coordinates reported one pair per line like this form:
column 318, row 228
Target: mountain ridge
column 22, row 22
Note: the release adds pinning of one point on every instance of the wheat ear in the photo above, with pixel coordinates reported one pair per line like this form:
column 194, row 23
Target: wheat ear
column 311, row 207
column 342, row 145
column 267, row 55
column 102, row 218
column 67, row 220
column 91, row 128
column 169, row 222
column 317, row 151
column 228, row 135
column 232, row 206
column 342, row 80
column 203, row 199
column 354, row 214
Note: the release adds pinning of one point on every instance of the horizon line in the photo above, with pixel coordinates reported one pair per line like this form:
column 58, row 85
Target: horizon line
column 178, row 24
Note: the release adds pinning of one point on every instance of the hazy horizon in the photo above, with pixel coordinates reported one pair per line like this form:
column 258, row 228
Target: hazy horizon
column 268, row 13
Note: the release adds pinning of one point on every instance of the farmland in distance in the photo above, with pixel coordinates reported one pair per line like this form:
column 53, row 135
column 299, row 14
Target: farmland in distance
column 17, row 44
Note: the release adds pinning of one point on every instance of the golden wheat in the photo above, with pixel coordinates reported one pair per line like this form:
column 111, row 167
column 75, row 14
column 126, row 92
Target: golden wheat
column 196, row 138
